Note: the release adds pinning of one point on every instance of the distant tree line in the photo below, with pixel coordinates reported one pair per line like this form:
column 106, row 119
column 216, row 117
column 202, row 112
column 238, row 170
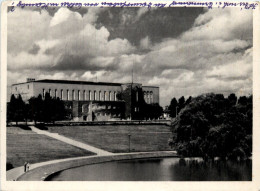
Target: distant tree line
column 176, row 106
column 37, row 109
column 214, row 126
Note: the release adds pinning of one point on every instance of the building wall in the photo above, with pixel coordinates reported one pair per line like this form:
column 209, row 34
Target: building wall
column 25, row 90
column 97, row 110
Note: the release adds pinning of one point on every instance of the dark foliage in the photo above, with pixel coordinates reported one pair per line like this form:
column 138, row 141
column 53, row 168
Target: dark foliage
column 172, row 107
column 214, row 126
column 16, row 109
column 176, row 106
column 151, row 111
column 47, row 110
column 9, row 166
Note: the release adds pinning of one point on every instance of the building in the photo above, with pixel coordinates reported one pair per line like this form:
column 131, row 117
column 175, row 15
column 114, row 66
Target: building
column 92, row 101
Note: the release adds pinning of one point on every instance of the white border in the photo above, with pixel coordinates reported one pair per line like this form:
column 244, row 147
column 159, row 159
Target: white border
column 253, row 185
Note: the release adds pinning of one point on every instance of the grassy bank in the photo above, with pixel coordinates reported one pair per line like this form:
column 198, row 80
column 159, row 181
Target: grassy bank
column 25, row 145
column 116, row 139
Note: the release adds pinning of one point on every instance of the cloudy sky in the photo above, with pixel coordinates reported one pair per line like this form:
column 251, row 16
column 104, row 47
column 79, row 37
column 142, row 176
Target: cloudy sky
column 184, row 51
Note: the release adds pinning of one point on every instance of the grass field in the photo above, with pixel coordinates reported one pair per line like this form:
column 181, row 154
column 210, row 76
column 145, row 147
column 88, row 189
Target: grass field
column 115, row 138
column 25, row 145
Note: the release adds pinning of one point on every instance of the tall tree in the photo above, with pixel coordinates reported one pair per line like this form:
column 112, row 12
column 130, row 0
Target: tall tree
column 172, row 107
column 16, row 109
column 11, row 108
column 188, row 100
column 36, row 108
column 181, row 104
column 232, row 98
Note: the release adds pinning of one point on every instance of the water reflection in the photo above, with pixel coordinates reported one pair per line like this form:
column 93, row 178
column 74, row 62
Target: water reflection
column 167, row 169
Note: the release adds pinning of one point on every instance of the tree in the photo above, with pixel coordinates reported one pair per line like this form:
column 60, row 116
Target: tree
column 16, row 109
column 11, row 108
column 188, row 100
column 209, row 127
column 181, row 103
column 47, row 110
column 59, row 110
column 172, row 107
column 232, row 99
column 242, row 100
column 151, row 111
column 36, row 108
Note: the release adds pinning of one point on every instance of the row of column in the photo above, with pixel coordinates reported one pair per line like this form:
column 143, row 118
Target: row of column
column 82, row 95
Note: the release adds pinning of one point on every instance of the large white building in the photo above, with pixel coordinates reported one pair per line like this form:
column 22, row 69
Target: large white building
column 91, row 98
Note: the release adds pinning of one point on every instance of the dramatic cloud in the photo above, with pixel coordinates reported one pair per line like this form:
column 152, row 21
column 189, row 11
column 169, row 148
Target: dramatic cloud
column 184, row 51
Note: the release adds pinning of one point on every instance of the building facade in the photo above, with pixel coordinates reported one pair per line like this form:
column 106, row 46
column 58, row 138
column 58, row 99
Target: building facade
column 92, row 101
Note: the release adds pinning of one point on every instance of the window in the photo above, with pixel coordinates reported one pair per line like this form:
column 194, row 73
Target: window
column 43, row 93
column 105, row 95
column 84, row 95
column 136, row 96
column 99, row 96
column 115, row 98
column 73, row 95
column 68, row 95
column 110, row 96
column 61, row 94
column 55, row 93
column 79, row 95
column 95, row 95
column 89, row 95
column 82, row 109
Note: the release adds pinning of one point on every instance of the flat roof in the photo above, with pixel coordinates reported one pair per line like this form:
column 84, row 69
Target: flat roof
column 150, row 86
column 71, row 82
column 77, row 82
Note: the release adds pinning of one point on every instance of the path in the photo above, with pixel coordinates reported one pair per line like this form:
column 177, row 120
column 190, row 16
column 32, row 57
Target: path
column 13, row 174
column 71, row 142
column 41, row 173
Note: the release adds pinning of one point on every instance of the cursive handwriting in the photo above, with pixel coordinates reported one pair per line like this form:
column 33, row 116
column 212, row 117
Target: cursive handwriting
column 78, row 5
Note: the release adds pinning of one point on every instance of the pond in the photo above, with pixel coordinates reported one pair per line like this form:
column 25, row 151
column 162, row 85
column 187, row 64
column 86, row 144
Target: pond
column 159, row 169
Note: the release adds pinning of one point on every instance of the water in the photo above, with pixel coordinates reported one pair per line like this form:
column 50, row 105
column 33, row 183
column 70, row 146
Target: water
column 166, row 169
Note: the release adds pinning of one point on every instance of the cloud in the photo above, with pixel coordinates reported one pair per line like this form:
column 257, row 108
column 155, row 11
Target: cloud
column 72, row 46
column 35, row 49
column 24, row 28
column 226, row 24
column 145, row 43
column 213, row 55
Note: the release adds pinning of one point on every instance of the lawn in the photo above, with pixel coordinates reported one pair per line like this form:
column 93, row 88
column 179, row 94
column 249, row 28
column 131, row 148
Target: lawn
column 115, row 138
column 25, row 145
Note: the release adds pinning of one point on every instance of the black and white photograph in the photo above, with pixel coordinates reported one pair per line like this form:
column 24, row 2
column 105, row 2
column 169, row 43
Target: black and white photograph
column 158, row 93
